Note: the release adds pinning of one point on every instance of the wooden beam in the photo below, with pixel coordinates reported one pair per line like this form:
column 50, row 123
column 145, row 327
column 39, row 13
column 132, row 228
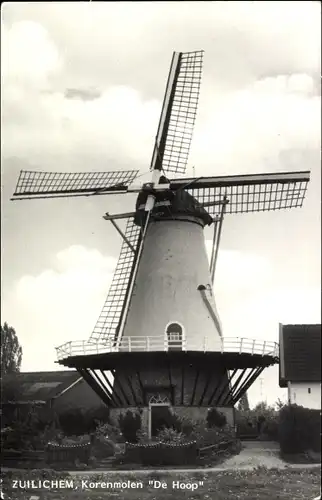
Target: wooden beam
column 195, row 386
column 209, row 373
column 107, row 216
column 144, row 401
column 94, row 375
column 170, row 381
column 122, row 391
column 225, row 385
column 247, row 384
column 127, row 241
column 182, row 384
column 96, row 388
column 132, row 390
column 113, row 393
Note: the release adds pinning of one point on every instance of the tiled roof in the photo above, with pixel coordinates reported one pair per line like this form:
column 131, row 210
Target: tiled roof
column 39, row 386
column 300, row 354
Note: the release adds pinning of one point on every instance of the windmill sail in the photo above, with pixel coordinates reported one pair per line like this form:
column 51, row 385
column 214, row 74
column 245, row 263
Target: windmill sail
column 36, row 184
column 107, row 324
column 247, row 193
column 178, row 113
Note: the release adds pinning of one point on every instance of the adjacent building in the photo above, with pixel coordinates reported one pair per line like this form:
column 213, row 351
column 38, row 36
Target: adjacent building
column 300, row 364
column 57, row 390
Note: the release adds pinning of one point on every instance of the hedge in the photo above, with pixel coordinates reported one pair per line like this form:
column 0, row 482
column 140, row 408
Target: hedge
column 299, row 429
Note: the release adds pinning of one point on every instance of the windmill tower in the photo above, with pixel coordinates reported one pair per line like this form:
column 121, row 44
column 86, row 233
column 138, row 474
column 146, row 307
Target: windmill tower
column 159, row 340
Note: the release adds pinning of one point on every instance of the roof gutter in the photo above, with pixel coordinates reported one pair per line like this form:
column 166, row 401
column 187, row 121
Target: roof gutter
column 67, row 388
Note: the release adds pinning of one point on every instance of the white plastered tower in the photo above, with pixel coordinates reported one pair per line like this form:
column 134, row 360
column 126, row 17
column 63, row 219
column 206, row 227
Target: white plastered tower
column 173, row 284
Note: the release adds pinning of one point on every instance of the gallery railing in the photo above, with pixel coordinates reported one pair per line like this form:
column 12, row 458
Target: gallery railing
column 146, row 344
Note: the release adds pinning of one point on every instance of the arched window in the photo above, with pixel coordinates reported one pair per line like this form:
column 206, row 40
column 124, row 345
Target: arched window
column 174, row 333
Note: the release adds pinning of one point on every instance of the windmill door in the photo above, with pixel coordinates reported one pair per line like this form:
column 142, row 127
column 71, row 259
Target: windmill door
column 160, row 417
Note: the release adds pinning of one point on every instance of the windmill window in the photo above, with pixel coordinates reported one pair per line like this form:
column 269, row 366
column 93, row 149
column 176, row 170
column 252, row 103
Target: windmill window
column 174, row 333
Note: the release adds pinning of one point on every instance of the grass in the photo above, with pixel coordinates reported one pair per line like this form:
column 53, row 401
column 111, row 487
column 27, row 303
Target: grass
column 260, row 484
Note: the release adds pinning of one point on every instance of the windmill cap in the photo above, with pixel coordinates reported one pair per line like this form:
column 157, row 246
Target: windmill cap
column 181, row 203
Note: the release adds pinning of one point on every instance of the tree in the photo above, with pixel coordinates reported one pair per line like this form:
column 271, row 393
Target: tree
column 243, row 404
column 216, row 418
column 11, row 351
column 279, row 404
column 262, row 407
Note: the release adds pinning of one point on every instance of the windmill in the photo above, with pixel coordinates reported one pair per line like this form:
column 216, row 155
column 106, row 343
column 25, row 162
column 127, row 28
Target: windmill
column 158, row 339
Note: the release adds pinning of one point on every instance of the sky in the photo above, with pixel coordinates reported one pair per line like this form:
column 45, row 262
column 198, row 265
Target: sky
column 82, row 90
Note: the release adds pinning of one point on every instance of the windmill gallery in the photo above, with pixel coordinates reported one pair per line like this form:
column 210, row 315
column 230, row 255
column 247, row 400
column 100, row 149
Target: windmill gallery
column 158, row 342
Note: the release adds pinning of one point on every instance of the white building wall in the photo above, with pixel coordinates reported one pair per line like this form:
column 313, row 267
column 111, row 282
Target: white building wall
column 307, row 394
column 174, row 263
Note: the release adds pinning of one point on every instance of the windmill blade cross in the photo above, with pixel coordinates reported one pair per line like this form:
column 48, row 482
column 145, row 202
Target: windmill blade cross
column 172, row 145
column 35, row 184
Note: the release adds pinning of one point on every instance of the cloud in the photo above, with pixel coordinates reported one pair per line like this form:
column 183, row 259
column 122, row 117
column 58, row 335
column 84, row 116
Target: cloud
column 269, row 107
column 29, row 54
column 60, row 304
column 254, row 127
column 83, row 94
column 237, row 272
column 43, row 123
column 252, row 298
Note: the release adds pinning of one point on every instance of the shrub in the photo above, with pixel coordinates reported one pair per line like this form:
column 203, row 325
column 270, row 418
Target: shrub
column 260, row 421
column 103, row 448
column 142, row 436
column 187, row 426
column 108, row 431
column 130, row 423
column 26, row 432
column 165, row 417
column 246, row 425
column 216, row 418
column 299, row 429
column 72, row 421
column 170, row 435
column 270, row 429
column 81, row 421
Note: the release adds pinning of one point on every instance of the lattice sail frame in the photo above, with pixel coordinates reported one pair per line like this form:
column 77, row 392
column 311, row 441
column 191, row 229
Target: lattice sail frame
column 34, row 183
column 178, row 113
column 247, row 193
column 109, row 319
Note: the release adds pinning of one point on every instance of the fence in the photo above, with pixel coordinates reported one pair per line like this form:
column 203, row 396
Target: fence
column 56, row 453
column 160, row 343
column 11, row 457
column 161, row 453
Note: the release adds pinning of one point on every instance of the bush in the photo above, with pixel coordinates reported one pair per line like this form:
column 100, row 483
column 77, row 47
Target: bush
column 216, row 418
column 187, row 426
column 169, row 419
column 246, row 426
column 170, row 435
column 80, row 421
column 261, row 421
column 109, row 431
column 130, row 424
column 299, row 429
column 142, row 436
column 103, row 448
column 207, row 437
column 270, row 429
column 26, row 432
